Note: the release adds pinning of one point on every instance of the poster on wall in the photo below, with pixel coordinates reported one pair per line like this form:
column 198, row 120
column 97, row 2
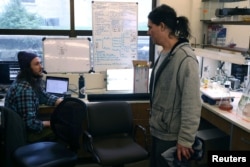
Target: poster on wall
column 114, row 34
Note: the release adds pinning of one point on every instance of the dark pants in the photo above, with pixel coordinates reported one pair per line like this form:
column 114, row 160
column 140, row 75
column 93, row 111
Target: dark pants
column 46, row 135
column 157, row 147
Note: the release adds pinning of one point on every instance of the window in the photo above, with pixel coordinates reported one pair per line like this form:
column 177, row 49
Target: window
column 83, row 13
column 11, row 44
column 29, row 21
column 51, row 22
column 35, row 15
column 28, row 1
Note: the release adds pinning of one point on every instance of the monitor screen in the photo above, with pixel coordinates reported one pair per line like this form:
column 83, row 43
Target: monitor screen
column 8, row 71
column 120, row 79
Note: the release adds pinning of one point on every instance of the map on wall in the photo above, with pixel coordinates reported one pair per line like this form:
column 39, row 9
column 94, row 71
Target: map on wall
column 114, row 34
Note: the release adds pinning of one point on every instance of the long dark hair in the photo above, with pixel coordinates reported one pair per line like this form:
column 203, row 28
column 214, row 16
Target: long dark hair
column 26, row 74
column 167, row 15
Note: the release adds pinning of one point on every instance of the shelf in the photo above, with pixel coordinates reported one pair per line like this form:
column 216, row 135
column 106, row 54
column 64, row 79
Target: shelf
column 227, row 22
column 222, row 0
column 221, row 56
column 234, row 49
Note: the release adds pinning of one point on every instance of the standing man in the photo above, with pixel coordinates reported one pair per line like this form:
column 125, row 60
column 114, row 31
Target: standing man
column 26, row 94
column 174, row 87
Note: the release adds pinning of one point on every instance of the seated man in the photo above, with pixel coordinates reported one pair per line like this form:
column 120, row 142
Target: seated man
column 26, row 94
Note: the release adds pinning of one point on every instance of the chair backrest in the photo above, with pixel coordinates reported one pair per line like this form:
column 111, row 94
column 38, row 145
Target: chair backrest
column 67, row 121
column 13, row 132
column 109, row 117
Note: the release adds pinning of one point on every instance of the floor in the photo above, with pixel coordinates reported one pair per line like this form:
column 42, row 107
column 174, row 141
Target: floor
column 144, row 163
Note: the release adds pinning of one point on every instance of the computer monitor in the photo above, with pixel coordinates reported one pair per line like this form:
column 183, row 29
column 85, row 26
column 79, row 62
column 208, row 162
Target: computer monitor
column 120, row 79
column 8, row 72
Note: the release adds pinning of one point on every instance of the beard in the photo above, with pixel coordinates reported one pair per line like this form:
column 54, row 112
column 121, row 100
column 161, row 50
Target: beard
column 37, row 81
column 37, row 76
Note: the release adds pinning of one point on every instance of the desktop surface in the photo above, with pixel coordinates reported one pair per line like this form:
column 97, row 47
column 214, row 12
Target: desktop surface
column 117, row 97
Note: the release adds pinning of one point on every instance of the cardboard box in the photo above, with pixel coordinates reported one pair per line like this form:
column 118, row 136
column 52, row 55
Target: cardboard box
column 141, row 76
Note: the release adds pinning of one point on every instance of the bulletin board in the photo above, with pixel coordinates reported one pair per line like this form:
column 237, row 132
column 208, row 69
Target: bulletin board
column 114, row 34
column 66, row 55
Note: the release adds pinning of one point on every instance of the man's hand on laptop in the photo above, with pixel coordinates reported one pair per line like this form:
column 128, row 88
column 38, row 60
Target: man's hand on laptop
column 46, row 123
column 58, row 101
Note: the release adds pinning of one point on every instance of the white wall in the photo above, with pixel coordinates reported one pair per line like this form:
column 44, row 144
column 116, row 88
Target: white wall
column 191, row 9
column 240, row 35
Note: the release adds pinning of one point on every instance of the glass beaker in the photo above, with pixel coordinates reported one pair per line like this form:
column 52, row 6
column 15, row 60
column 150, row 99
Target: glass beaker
column 225, row 101
column 244, row 104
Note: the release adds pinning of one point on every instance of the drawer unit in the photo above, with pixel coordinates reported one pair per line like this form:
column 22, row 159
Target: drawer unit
column 240, row 139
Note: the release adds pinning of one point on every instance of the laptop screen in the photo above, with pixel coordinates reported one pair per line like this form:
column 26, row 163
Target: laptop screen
column 56, row 85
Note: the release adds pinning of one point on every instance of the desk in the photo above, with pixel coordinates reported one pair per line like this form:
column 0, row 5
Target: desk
column 229, row 122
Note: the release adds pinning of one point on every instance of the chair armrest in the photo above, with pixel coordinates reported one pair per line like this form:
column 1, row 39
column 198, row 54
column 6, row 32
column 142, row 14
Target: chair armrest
column 87, row 141
column 87, row 135
column 144, row 132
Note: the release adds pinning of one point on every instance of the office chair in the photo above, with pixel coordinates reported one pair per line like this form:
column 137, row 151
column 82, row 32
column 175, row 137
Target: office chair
column 50, row 154
column 67, row 121
column 110, row 134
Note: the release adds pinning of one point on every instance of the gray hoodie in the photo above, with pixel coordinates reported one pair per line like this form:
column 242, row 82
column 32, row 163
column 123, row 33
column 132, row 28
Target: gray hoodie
column 175, row 100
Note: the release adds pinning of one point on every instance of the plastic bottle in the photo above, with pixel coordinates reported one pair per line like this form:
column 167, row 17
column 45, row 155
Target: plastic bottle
column 81, row 85
column 205, row 78
column 243, row 108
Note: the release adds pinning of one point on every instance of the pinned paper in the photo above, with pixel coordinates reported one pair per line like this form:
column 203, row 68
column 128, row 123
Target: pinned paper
column 141, row 76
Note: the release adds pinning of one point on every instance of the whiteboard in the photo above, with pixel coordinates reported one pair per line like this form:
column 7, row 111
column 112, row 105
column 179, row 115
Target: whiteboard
column 66, row 55
column 114, row 34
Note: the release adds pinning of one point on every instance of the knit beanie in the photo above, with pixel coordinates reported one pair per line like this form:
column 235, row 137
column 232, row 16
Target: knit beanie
column 24, row 59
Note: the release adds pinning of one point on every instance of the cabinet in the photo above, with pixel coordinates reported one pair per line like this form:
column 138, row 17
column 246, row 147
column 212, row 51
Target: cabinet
column 141, row 117
column 219, row 122
column 240, row 139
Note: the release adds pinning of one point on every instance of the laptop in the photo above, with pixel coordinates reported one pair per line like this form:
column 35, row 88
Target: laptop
column 57, row 86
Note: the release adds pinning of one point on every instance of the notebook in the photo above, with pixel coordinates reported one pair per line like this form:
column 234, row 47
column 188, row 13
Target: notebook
column 56, row 85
